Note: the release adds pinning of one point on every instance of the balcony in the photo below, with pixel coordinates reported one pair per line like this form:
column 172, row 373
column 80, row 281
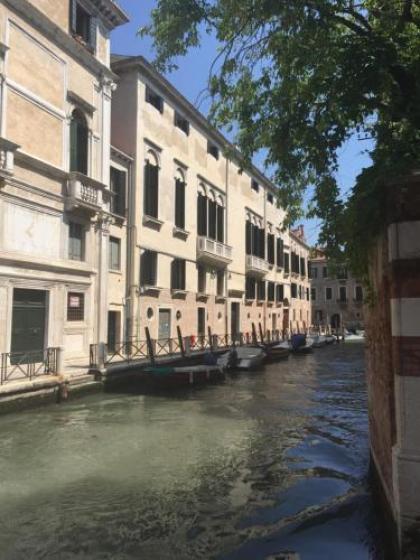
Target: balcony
column 256, row 266
column 84, row 193
column 7, row 157
column 213, row 251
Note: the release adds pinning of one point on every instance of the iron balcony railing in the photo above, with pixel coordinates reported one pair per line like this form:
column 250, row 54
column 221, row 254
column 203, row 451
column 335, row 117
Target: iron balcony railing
column 213, row 250
column 19, row 366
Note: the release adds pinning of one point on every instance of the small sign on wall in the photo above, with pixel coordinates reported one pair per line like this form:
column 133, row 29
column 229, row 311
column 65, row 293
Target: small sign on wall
column 74, row 301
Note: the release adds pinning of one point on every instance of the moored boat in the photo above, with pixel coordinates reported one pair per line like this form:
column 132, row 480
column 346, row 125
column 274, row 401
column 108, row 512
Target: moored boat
column 242, row 357
column 300, row 344
column 168, row 376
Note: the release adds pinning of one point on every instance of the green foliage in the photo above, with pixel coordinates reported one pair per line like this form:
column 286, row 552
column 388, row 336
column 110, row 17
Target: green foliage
column 298, row 79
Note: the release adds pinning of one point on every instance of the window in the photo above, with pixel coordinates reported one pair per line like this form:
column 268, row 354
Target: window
column 213, row 150
column 201, row 279
column 328, row 293
column 178, row 274
column 114, row 253
column 151, row 190
column 179, row 203
column 300, row 291
column 280, row 253
column 279, row 292
column 202, row 214
column 154, row 99
column 270, row 198
column 324, row 272
column 342, row 273
column 220, row 283
column 210, row 218
column 295, row 263
column 148, row 268
column 255, row 185
column 307, row 294
column 302, row 266
column 182, row 123
column 270, row 291
column 261, row 290
column 359, row 293
column 83, row 25
column 293, row 288
column 78, row 142
column 118, row 188
column 75, row 306
column 313, row 294
column 343, row 293
column 254, row 240
column 286, row 263
column 270, row 248
column 318, row 316
column 313, row 271
column 250, row 284
column 76, row 242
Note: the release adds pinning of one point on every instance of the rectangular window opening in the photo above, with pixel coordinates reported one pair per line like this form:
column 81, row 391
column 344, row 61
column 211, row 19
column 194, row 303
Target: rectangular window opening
column 75, row 306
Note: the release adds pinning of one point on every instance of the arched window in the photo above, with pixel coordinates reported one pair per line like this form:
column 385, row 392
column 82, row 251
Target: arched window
column 79, row 133
column 179, row 199
column 210, row 215
column 151, row 185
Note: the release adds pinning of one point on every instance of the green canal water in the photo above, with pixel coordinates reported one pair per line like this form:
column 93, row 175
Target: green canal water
column 264, row 463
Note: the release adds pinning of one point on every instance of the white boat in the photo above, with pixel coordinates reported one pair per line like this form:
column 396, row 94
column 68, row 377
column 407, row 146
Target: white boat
column 318, row 341
column 359, row 336
column 242, row 357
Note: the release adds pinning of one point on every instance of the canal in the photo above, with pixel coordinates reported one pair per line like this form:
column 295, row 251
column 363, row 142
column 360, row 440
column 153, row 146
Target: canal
column 264, row 463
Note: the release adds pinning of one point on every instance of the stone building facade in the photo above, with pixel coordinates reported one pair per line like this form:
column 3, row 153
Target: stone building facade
column 336, row 296
column 208, row 249
column 55, row 202
column 107, row 227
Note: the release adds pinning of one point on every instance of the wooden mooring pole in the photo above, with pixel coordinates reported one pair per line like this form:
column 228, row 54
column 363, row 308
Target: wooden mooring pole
column 180, row 341
column 150, row 349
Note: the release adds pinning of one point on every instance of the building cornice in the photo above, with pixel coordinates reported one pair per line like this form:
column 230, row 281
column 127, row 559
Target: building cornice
column 140, row 64
column 29, row 13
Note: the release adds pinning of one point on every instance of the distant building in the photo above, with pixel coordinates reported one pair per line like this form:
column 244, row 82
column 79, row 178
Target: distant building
column 337, row 297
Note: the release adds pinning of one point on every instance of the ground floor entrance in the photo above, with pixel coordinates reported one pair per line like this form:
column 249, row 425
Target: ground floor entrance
column 29, row 322
column 164, row 324
column 235, row 317
column 114, row 330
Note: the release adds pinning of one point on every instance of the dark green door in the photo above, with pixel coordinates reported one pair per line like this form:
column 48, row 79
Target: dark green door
column 29, row 321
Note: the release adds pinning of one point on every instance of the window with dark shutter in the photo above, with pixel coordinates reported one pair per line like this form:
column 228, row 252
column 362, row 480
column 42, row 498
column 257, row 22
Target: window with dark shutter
column 118, row 181
column 180, row 204
column 359, row 293
column 262, row 244
column 280, row 252
column 213, row 150
column 328, row 293
column 148, row 268
column 293, row 288
column 302, row 266
column 270, row 248
column 270, row 291
column 212, row 219
column 83, row 25
column 248, row 237
column 79, row 133
column 178, row 274
column 270, row 198
column 250, row 284
column 261, row 290
column 114, row 253
column 76, row 248
column 220, row 224
column 255, row 185
column 202, row 215
column 154, row 99
column 286, row 258
column 201, row 279
column 151, row 190
column 182, row 123
column 279, row 292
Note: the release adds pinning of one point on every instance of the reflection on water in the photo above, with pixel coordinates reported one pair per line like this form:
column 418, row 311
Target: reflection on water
column 264, row 463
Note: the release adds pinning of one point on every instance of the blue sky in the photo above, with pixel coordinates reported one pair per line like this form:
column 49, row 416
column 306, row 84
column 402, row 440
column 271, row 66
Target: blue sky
column 191, row 79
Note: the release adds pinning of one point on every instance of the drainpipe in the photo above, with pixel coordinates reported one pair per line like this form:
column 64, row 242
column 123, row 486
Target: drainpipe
column 131, row 288
column 227, row 243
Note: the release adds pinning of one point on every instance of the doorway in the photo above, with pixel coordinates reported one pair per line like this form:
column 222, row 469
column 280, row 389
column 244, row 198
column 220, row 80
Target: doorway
column 273, row 324
column 335, row 321
column 29, row 322
column 164, row 324
column 285, row 321
column 234, row 319
column 201, row 321
column 114, row 330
